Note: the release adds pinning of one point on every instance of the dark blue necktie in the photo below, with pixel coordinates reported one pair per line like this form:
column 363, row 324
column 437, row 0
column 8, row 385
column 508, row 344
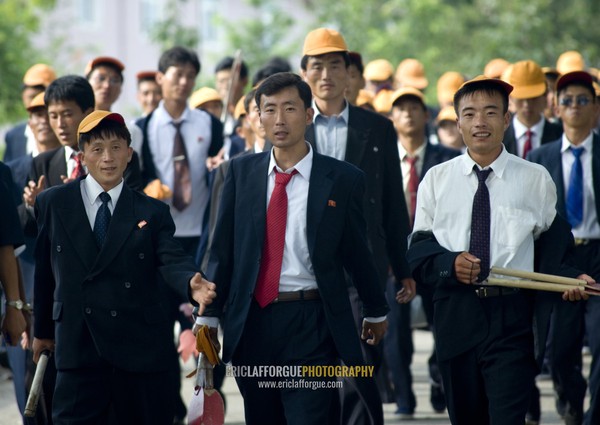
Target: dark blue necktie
column 575, row 191
column 102, row 220
column 480, row 224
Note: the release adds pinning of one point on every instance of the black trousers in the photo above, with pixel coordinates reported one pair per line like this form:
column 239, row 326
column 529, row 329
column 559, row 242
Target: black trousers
column 287, row 334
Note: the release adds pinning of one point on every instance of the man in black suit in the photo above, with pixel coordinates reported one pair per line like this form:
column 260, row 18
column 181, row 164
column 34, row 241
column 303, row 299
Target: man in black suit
column 579, row 203
column 528, row 127
column 99, row 305
column 19, row 141
column 282, row 291
column 410, row 116
column 368, row 141
column 474, row 212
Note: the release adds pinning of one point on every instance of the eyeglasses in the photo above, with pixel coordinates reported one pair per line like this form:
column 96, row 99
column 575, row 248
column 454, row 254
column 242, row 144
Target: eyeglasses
column 579, row 100
column 101, row 79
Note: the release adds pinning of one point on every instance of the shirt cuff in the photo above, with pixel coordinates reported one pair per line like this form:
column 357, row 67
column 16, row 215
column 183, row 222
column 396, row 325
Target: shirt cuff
column 211, row 322
column 375, row 319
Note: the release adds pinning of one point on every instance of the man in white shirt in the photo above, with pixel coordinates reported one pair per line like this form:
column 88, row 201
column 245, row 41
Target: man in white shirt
column 474, row 212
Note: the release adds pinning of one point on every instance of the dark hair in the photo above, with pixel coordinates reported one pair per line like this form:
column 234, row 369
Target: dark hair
column 177, row 56
column 71, row 88
column 227, row 63
column 583, row 84
column 356, row 60
column 105, row 129
column 305, row 58
column 488, row 87
column 106, row 65
column 282, row 80
column 273, row 66
column 249, row 98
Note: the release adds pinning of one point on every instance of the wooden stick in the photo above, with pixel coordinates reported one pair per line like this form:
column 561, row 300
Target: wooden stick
column 538, row 286
column 36, row 385
column 538, row 276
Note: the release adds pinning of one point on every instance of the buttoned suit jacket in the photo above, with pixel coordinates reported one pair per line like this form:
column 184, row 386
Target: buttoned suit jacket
column 372, row 147
column 336, row 238
column 107, row 305
column 551, row 132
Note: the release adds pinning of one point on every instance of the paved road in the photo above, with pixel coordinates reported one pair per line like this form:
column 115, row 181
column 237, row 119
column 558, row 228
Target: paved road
column 424, row 414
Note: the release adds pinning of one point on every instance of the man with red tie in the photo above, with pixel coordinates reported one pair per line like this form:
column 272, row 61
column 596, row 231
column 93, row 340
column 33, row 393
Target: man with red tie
column 290, row 226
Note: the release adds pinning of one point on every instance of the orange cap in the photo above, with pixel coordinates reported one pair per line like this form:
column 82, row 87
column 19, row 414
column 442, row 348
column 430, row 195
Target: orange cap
column 146, row 75
column 527, row 79
column 411, row 72
column 92, row 120
column 502, row 85
column 570, row 61
column 382, row 102
column 37, row 102
column 103, row 60
column 407, row 91
column 365, row 97
column 495, row 67
column 203, row 95
column 447, row 113
column 39, row 74
column 240, row 109
column 447, row 85
column 322, row 41
column 378, row 70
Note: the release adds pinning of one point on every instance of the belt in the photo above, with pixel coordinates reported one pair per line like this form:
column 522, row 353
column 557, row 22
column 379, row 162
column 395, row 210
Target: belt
column 581, row 241
column 311, row 294
column 494, row 291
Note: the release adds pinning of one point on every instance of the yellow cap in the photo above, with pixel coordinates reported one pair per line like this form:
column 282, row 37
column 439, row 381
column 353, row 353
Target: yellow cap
column 382, row 102
column 203, row 95
column 92, row 120
column 495, row 67
column 447, row 113
column 502, row 85
column 570, row 61
column 365, row 97
column 447, row 85
column 378, row 70
column 37, row 102
column 39, row 74
column 240, row 109
column 322, row 41
column 407, row 91
column 411, row 72
column 527, row 79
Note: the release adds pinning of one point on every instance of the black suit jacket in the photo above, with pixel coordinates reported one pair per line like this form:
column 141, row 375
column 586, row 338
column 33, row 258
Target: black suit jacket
column 16, row 142
column 552, row 131
column 108, row 304
column 336, row 237
column 372, row 147
column 434, row 155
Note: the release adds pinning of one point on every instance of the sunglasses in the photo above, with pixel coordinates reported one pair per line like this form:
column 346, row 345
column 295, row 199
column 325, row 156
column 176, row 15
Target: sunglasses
column 579, row 100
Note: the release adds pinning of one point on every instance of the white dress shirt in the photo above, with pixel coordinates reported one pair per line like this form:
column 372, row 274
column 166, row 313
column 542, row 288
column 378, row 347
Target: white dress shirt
column 196, row 133
column 589, row 227
column 521, row 134
column 71, row 161
column 90, row 193
column 522, row 200
column 331, row 132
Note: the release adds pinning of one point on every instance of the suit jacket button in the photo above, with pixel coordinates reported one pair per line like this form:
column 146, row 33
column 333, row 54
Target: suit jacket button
column 58, row 248
column 372, row 201
column 88, row 310
column 127, row 285
column 375, row 149
column 141, row 255
column 113, row 313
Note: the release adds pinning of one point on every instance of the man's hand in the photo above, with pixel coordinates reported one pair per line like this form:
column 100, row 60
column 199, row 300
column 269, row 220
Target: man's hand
column 187, row 345
column 373, row 330
column 13, row 325
column 203, row 291
column 467, row 268
column 40, row 345
column 212, row 162
column 408, row 291
column 32, row 190
column 576, row 294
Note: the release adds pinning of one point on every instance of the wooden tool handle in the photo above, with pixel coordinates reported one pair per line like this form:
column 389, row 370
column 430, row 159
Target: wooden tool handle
column 36, row 385
column 531, row 284
column 542, row 277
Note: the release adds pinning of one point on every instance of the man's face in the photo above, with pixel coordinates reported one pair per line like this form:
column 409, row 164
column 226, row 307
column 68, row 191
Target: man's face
column 222, row 79
column 40, row 126
column 65, row 117
column 327, row 76
column 285, row 118
column 177, row 82
column 409, row 117
column 529, row 111
column 28, row 94
column 449, row 135
column 148, row 95
column 355, row 83
column 576, row 116
column 213, row 107
column 106, row 159
column 482, row 123
column 106, row 83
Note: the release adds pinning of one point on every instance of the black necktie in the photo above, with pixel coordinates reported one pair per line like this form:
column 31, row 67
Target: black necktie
column 480, row 224
column 102, row 220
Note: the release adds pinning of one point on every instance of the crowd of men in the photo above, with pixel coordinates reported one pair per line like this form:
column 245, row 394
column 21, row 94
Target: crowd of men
column 389, row 198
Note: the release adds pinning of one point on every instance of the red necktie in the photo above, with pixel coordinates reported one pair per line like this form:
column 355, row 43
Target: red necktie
column 528, row 146
column 267, row 285
column 182, row 183
column 78, row 171
column 413, row 185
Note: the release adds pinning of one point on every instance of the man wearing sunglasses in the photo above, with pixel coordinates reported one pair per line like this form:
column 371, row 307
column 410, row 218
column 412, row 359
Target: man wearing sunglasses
column 574, row 164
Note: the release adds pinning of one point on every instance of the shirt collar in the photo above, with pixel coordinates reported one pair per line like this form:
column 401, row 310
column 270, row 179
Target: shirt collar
column 343, row 115
column 587, row 143
column 69, row 151
column 498, row 166
column 418, row 152
column 163, row 117
column 304, row 166
column 93, row 189
column 521, row 129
